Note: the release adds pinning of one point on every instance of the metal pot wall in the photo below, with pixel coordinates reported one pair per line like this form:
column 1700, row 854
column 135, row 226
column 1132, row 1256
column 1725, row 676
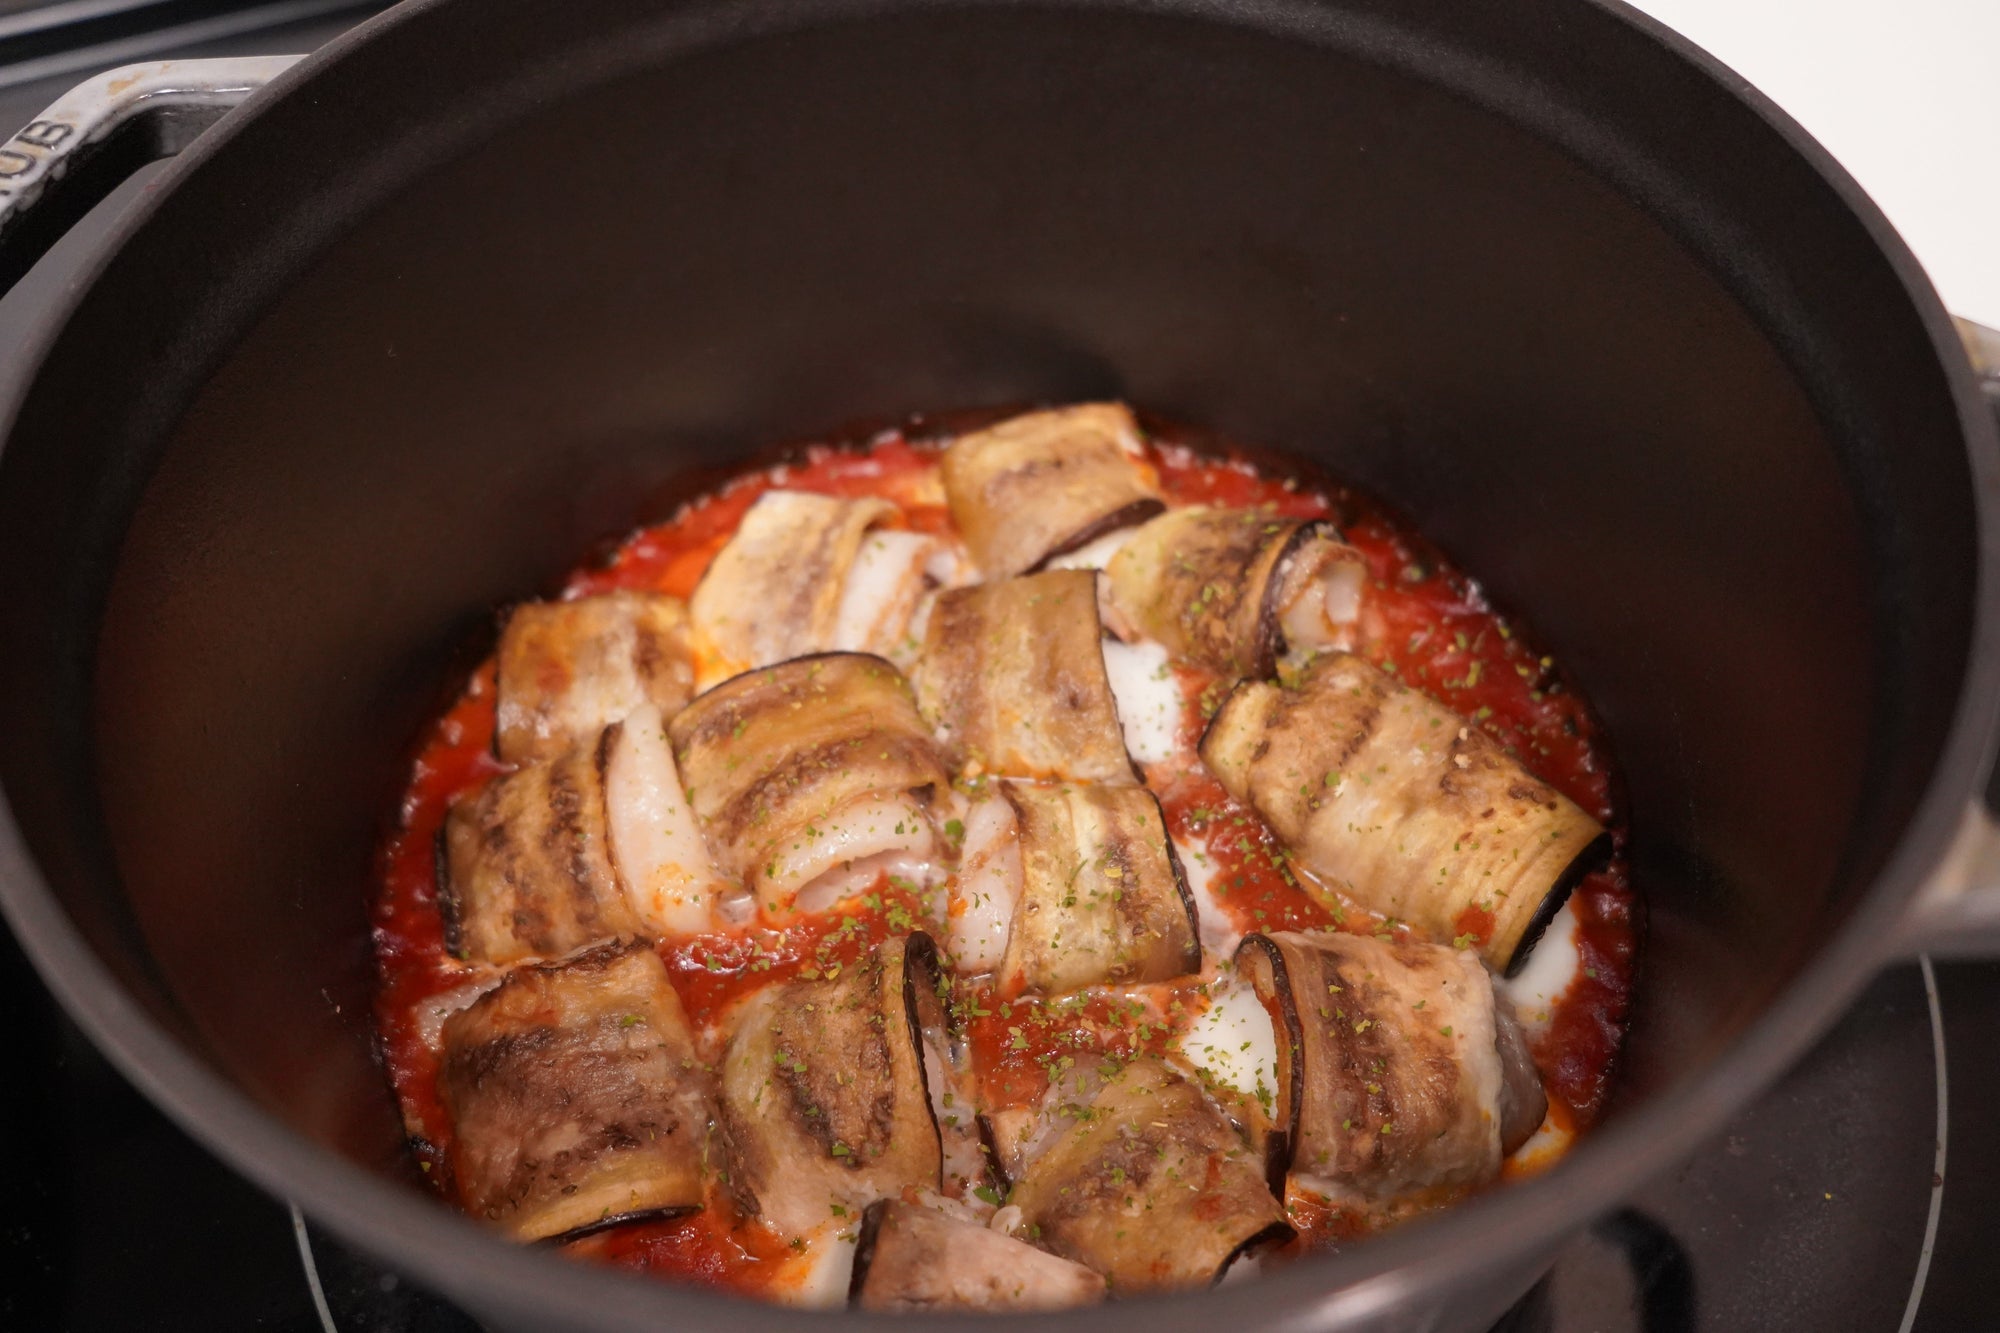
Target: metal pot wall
column 490, row 279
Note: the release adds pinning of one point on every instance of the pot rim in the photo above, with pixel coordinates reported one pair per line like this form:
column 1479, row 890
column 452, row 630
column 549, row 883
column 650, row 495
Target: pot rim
column 1500, row 1230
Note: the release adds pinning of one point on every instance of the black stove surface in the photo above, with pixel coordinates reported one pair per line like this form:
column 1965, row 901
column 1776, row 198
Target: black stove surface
column 1829, row 1204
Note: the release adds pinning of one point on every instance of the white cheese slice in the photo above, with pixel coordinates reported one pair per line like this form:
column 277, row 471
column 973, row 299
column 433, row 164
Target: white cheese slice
column 1148, row 696
column 1548, row 972
column 989, row 886
column 1234, row 1040
column 883, row 586
column 661, row 858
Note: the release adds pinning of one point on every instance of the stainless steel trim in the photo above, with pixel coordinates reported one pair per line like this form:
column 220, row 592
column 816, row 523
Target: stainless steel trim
column 72, row 155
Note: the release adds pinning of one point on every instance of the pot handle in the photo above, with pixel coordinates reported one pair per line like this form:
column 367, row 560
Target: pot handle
column 1958, row 915
column 65, row 161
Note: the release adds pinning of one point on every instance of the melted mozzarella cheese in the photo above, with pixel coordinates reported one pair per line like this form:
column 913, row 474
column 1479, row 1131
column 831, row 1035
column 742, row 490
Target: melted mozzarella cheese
column 818, row 1278
column 1541, row 1151
column 843, row 853
column 1149, row 698
column 1218, row 937
column 1547, row 973
column 989, row 887
column 1234, row 1040
column 882, row 589
column 655, row 842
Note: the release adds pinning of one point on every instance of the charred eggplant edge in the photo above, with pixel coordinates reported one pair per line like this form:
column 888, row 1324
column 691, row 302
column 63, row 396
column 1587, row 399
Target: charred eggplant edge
column 1191, row 956
column 1594, row 854
column 920, row 950
column 1125, row 516
column 1286, row 1137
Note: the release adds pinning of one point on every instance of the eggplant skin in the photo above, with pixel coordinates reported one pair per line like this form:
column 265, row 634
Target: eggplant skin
column 1104, row 900
column 1012, row 674
column 1407, row 808
column 1036, row 486
column 1390, row 1075
column 566, row 670
column 1524, row 1102
column 911, row 1259
column 766, row 754
column 1208, row 583
column 825, row 1102
column 576, row 1097
column 1149, row 1185
column 527, row 865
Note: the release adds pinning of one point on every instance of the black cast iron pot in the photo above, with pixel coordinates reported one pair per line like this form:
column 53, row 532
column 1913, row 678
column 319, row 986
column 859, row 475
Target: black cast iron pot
column 490, row 279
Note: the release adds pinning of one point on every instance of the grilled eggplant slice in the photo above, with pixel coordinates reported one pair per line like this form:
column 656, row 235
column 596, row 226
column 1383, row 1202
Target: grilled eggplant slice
column 594, row 844
column 1012, row 674
column 1393, row 1072
column 1232, row 589
column 826, row 1097
column 807, row 573
column 1039, row 485
column 809, row 770
column 911, row 1259
column 1100, row 897
column 1147, row 1183
column 1404, row 806
column 566, row 670
column 576, row 1098
column 527, row 869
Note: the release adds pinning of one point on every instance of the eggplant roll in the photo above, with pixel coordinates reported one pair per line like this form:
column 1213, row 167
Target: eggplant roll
column 808, row 573
column 1091, row 892
column 1409, row 809
column 911, row 1258
column 808, row 770
column 567, row 670
column 1232, row 589
column 575, row 1097
column 526, row 864
column 1147, row 1183
column 1394, row 1068
column 594, row 844
column 1012, row 675
column 826, row 1093
column 1039, row 485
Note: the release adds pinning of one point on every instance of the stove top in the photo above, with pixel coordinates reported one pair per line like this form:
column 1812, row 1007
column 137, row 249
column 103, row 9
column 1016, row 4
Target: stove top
column 1862, row 1192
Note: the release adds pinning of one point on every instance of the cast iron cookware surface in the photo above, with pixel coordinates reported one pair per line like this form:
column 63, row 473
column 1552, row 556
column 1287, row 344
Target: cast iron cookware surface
column 484, row 281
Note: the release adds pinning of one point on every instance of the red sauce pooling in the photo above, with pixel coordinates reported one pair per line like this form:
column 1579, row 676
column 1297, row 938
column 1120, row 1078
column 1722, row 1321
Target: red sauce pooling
column 1019, row 1045
column 455, row 758
column 1429, row 624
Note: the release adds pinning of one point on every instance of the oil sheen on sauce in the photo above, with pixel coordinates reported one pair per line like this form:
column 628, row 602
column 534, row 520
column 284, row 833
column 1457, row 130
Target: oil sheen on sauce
column 1428, row 623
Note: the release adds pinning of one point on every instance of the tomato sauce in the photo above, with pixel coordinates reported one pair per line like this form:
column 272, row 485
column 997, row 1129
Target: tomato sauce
column 1426, row 622
column 709, row 1247
column 1019, row 1046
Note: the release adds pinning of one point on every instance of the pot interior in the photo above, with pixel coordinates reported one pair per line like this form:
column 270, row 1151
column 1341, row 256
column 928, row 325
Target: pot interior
column 408, row 347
